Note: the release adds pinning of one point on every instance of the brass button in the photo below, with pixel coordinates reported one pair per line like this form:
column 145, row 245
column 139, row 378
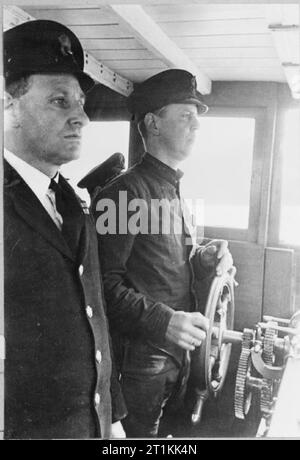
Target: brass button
column 89, row 311
column 80, row 270
column 97, row 399
column 98, row 356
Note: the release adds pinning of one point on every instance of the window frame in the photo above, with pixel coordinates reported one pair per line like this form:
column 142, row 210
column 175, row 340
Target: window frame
column 259, row 114
column 275, row 210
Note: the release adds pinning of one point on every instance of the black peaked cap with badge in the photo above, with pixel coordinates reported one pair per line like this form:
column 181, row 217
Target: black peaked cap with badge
column 173, row 86
column 43, row 47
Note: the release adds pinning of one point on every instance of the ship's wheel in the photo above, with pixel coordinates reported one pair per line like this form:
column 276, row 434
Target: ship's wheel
column 210, row 361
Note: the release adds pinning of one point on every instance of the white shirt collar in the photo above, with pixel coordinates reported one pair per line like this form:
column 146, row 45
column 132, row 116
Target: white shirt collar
column 34, row 178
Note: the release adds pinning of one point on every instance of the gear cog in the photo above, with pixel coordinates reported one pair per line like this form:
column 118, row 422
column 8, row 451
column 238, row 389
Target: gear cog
column 268, row 344
column 268, row 356
column 242, row 395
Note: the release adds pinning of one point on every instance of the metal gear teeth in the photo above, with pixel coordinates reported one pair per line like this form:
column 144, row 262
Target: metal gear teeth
column 240, row 396
column 240, row 385
column 248, row 337
column 266, row 393
column 268, row 344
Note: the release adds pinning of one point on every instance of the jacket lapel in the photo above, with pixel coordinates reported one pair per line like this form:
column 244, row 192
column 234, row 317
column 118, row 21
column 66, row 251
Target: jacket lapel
column 32, row 211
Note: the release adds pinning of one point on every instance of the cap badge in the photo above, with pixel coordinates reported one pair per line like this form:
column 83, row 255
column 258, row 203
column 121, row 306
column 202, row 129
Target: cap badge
column 65, row 43
column 193, row 85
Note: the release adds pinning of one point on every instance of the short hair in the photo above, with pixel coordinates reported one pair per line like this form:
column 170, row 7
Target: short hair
column 19, row 87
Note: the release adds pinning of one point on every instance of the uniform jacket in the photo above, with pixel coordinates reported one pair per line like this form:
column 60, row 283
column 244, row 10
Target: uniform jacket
column 58, row 364
column 147, row 276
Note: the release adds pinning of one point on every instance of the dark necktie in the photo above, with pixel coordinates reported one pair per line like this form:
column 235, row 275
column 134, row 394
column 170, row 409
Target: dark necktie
column 71, row 223
column 59, row 201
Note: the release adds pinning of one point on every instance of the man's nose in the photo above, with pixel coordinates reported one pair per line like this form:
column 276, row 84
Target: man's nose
column 195, row 124
column 78, row 116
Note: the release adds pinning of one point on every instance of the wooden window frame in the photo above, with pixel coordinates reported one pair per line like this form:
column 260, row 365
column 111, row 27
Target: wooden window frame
column 275, row 204
column 260, row 163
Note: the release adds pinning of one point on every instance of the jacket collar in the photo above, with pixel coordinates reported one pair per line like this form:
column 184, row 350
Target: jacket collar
column 159, row 168
column 28, row 206
column 37, row 180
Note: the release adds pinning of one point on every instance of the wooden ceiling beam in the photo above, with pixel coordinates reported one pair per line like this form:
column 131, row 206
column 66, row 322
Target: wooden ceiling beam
column 283, row 22
column 147, row 32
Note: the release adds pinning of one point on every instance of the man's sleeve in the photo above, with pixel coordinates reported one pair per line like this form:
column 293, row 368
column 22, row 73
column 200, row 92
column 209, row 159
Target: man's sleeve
column 129, row 311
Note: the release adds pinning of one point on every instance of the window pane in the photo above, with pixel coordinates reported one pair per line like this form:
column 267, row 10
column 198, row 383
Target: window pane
column 219, row 170
column 290, row 194
column 100, row 141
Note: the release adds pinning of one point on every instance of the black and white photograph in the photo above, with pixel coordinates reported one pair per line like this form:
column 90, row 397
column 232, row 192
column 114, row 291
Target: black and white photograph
column 150, row 223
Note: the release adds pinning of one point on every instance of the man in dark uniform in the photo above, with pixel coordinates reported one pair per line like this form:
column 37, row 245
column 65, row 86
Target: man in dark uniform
column 148, row 275
column 58, row 366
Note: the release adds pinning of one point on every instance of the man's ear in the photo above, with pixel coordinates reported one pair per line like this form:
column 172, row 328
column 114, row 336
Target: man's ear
column 151, row 124
column 8, row 100
column 11, row 110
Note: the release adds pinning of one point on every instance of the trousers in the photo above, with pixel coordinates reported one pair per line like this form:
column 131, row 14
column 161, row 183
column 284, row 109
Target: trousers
column 150, row 381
